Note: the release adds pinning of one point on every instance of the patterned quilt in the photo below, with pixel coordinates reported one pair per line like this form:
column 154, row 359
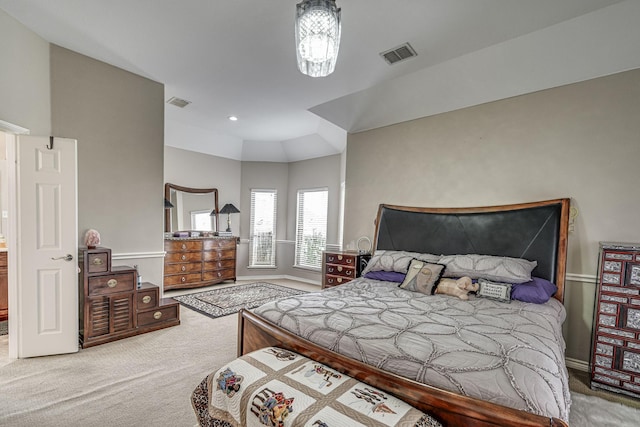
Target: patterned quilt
column 510, row 354
column 277, row 388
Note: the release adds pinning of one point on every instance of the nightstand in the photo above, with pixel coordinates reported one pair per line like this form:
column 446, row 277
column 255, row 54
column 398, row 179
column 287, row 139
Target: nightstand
column 340, row 267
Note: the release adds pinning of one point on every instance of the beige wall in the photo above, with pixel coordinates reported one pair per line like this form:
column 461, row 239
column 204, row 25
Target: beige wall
column 118, row 119
column 579, row 141
column 24, row 77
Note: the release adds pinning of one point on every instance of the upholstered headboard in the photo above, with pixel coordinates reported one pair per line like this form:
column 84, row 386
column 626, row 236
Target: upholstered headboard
column 535, row 231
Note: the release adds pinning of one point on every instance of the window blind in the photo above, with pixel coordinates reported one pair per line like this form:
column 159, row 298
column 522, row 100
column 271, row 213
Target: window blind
column 311, row 227
column 262, row 233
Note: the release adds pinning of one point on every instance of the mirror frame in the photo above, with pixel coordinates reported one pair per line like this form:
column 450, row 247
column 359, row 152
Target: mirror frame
column 167, row 195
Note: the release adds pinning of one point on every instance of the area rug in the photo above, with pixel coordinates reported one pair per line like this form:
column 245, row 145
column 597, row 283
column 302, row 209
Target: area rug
column 588, row 411
column 225, row 301
column 4, row 327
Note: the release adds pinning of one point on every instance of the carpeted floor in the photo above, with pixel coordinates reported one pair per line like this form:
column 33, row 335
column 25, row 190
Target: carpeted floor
column 222, row 302
column 4, row 328
column 148, row 379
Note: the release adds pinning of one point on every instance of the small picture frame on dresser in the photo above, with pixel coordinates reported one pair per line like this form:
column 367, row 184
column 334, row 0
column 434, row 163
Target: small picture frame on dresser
column 633, row 274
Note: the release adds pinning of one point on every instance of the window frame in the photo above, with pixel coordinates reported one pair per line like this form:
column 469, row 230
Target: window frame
column 305, row 263
column 252, row 235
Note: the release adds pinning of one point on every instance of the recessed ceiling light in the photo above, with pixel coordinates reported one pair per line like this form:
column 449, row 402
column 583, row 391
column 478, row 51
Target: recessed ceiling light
column 233, row 118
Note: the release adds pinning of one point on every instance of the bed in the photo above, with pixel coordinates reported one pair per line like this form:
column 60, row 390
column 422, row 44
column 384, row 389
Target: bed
column 434, row 376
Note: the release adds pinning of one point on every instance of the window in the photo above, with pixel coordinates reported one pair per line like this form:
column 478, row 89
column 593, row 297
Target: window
column 202, row 220
column 311, row 227
column 262, row 238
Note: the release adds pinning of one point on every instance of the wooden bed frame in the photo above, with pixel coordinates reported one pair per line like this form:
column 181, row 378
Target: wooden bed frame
column 535, row 231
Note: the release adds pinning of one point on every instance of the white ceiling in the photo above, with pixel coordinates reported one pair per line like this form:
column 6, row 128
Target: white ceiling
column 237, row 58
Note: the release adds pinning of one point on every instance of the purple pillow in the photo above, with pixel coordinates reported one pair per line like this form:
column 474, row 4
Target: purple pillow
column 537, row 291
column 387, row 276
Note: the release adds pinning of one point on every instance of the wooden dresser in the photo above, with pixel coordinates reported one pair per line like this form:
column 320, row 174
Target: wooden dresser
column 199, row 261
column 114, row 306
column 340, row 267
column 615, row 358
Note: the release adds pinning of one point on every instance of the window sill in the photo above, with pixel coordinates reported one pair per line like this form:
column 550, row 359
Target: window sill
column 262, row 267
column 314, row 269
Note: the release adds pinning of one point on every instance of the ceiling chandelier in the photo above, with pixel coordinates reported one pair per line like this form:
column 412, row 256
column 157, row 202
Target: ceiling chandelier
column 318, row 27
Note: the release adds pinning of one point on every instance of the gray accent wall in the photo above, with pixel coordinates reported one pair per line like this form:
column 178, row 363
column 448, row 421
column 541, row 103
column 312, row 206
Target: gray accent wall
column 579, row 141
column 118, row 119
column 235, row 180
column 24, row 77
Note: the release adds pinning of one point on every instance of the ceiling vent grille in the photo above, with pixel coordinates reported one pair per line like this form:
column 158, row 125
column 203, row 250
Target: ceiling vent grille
column 178, row 102
column 397, row 54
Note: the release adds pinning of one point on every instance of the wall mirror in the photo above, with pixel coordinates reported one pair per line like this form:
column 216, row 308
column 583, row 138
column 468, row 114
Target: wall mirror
column 192, row 208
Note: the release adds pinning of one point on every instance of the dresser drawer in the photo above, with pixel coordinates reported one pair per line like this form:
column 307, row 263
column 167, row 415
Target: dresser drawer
column 158, row 315
column 182, row 257
column 229, row 273
column 219, row 254
column 182, row 279
column 112, row 283
column 341, row 259
column 98, row 262
column 219, row 244
column 217, row 265
column 330, row 281
column 146, row 299
column 341, row 270
column 182, row 245
column 184, row 267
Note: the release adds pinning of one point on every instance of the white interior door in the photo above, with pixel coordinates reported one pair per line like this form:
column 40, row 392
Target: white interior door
column 47, row 279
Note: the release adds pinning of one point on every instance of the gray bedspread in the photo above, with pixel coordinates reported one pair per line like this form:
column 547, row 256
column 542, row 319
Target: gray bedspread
column 510, row 354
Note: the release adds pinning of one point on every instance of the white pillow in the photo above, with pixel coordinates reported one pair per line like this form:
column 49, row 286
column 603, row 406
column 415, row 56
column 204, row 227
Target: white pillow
column 501, row 269
column 397, row 261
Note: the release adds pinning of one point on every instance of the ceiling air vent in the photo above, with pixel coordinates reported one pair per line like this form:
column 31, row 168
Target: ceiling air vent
column 178, row 102
column 397, row 54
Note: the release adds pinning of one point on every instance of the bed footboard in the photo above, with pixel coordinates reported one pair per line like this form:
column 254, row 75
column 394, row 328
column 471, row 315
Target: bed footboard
column 450, row 408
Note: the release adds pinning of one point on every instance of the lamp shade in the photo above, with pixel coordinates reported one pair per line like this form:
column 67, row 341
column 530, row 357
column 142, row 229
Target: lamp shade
column 229, row 209
column 318, row 28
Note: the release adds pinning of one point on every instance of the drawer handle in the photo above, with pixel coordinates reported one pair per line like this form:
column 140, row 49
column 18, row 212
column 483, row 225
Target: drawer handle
column 184, row 246
column 219, row 274
column 349, row 260
column 97, row 261
column 219, row 264
column 157, row 315
column 112, row 283
column 146, row 299
column 339, row 279
column 184, row 257
column 339, row 257
column 184, row 279
column 184, row 268
column 339, row 268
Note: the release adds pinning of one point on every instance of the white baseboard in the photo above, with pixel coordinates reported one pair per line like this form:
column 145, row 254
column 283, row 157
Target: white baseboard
column 579, row 365
column 281, row 276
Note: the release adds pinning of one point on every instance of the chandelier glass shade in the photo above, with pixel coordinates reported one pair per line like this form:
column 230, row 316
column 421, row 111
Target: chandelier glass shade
column 318, row 27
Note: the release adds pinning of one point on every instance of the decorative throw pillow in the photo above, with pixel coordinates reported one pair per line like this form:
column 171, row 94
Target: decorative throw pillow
column 537, row 291
column 500, row 269
column 397, row 261
column 422, row 277
column 386, row 276
column 494, row 290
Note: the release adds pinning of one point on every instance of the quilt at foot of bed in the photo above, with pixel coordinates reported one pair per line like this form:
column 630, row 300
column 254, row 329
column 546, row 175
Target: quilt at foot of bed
column 279, row 388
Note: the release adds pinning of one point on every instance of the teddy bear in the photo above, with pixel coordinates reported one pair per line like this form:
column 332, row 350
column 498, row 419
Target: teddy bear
column 457, row 288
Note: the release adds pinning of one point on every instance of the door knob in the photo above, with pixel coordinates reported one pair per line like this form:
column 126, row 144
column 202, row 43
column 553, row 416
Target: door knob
column 67, row 257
